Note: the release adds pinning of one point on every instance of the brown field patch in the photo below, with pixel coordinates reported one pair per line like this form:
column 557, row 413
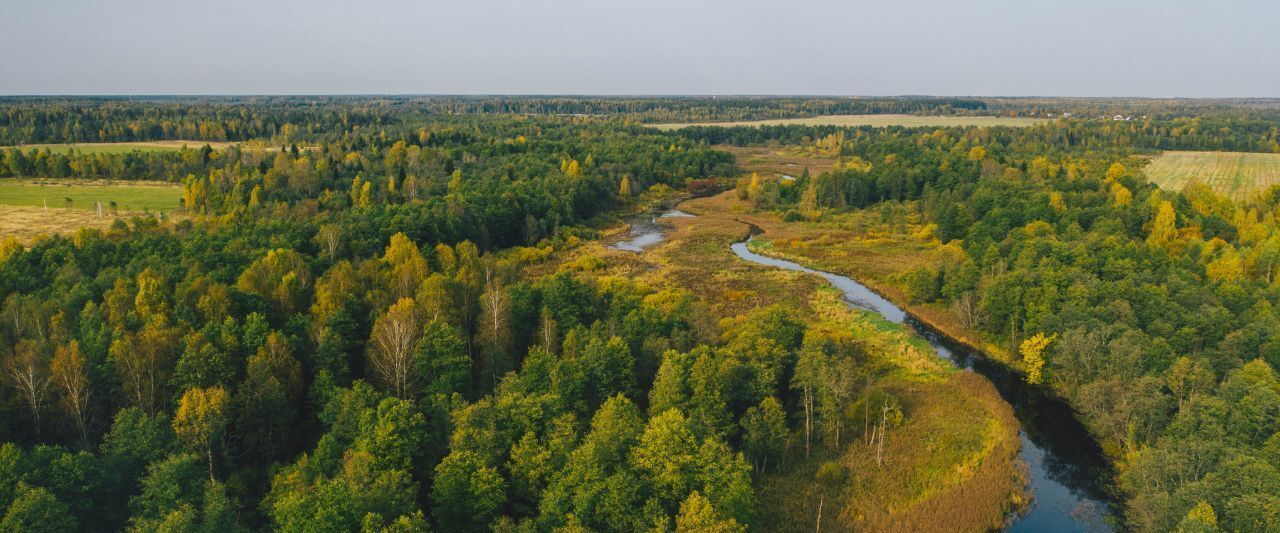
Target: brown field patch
column 28, row 223
column 778, row 162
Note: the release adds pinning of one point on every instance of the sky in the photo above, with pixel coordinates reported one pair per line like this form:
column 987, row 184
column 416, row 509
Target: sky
column 1169, row 48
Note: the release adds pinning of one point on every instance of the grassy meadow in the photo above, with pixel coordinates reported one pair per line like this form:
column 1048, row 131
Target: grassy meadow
column 124, row 147
column 23, row 212
column 1237, row 175
column 878, row 121
column 85, row 194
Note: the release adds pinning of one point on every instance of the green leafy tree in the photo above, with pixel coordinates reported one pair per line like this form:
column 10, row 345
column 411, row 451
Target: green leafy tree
column 36, row 510
column 698, row 516
column 764, row 433
column 467, row 493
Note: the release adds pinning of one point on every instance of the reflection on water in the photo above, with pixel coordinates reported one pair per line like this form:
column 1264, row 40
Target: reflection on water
column 646, row 231
column 1066, row 465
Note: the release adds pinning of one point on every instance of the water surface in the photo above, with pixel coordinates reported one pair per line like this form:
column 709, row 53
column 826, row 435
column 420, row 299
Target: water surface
column 647, row 231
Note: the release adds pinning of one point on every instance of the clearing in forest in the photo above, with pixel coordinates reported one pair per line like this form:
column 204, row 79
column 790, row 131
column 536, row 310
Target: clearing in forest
column 124, row 147
column 786, row 161
column 85, row 194
column 32, row 208
column 151, row 146
column 1237, row 175
column 878, row 121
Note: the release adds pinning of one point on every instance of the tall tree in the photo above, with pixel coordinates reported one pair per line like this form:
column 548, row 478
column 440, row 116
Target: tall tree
column 28, row 371
column 495, row 326
column 72, row 378
column 395, row 338
column 764, row 432
column 200, row 420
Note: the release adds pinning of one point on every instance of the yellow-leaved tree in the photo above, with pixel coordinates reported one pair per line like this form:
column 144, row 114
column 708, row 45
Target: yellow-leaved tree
column 1164, row 227
column 1227, row 267
column 1055, row 200
column 1032, row 351
column 201, row 417
column 1115, row 172
column 624, row 189
column 1121, row 194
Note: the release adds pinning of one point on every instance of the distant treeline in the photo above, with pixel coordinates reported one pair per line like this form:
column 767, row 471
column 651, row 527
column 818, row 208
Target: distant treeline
column 1233, row 132
column 25, row 120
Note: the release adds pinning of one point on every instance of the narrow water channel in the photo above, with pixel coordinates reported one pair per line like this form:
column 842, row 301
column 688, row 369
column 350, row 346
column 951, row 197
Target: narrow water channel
column 1066, row 466
column 646, row 231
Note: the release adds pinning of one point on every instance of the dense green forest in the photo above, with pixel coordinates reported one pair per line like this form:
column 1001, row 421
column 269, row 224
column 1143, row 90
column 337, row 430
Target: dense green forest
column 334, row 341
column 1150, row 311
column 281, row 120
column 351, row 329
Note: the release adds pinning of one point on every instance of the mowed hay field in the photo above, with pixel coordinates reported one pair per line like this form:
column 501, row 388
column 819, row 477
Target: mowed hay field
column 23, row 213
column 1238, row 175
column 124, row 147
column 909, row 121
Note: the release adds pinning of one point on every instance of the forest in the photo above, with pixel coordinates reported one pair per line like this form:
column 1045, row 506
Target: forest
column 1149, row 310
column 395, row 319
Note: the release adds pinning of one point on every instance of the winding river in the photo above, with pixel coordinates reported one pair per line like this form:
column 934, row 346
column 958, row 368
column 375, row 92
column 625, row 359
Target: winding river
column 1066, row 466
column 1065, row 463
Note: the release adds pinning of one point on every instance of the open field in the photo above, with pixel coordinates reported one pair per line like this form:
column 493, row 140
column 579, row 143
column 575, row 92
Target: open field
column 789, row 161
column 879, row 121
column 1237, row 175
column 125, row 147
column 26, row 223
column 85, row 194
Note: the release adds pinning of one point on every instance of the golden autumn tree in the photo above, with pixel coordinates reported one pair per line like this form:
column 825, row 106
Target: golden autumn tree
column 201, row 418
column 754, row 189
column 1227, row 267
column 572, row 168
column 1121, row 195
column 1055, row 200
column 1032, row 351
column 624, row 188
column 1116, row 172
column 1164, row 227
column 408, row 266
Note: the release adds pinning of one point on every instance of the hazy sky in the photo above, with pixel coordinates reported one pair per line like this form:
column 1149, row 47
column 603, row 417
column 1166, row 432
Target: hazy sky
column 938, row 47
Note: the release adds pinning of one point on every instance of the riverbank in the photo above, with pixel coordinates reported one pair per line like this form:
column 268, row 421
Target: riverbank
column 1054, row 435
column 951, row 465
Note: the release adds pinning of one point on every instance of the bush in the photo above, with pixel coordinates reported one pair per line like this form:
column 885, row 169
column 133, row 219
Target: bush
column 831, row 473
column 921, row 286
